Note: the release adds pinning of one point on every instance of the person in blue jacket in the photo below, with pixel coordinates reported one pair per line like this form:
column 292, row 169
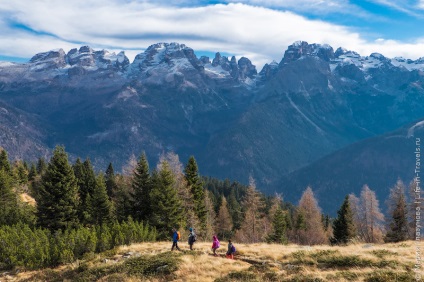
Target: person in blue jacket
column 175, row 239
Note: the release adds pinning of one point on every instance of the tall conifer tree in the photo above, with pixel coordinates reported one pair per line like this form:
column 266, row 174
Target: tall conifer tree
column 4, row 161
column 101, row 207
column 111, row 186
column 142, row 186
column 8, row 200
column 58, row 198
column 167, row 208
column 398, row 220
column 194, row 182
column 343, row 226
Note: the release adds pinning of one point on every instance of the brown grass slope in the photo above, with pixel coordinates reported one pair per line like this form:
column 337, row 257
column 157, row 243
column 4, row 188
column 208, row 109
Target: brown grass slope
column 254, row 262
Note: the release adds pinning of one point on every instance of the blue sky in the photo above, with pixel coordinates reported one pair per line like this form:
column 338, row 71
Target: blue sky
column 258, row 29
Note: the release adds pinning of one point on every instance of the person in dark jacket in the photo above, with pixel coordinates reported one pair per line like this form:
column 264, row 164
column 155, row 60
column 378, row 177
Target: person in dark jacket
column 175, row 240
column 231, row 250
column 191, row 238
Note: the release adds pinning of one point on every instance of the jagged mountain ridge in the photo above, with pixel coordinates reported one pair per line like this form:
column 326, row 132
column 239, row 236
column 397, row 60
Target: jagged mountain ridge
column 235, row 120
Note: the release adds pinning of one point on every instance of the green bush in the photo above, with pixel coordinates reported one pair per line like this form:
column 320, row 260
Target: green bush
column 22, row 246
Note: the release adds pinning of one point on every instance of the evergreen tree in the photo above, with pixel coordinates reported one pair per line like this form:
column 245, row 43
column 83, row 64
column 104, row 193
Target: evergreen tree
column 123, row 200
column 279, row 226
column 185, row 195
column 343, row 226
column 101, row 207
column 195, row 184
column 20, row 173
column 235, row 210
column 32, row 172
column 58, row 201
column 398, row 222
column 142, row 186
column 8, row 200
column 86, row 182
column 4, row 161
column 166, row 207
column 224, row 223
column 111, row 186
column 41, row 166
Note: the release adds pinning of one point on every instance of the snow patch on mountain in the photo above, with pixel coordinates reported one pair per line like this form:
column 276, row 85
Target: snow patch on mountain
column 412, row 128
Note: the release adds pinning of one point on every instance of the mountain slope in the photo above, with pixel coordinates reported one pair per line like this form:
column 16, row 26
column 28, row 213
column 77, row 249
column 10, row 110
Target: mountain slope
column 377, row 161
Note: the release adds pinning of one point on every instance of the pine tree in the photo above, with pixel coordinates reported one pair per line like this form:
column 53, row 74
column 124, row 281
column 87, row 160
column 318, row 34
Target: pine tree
column 101, row 207
column 343, row 226
column 86, row 182
column 224, row 223
column 195, row 185
column 314, row 231
column 41, row 166
column 279, row 227
column 398, row 221
column 4, row 161
column 8, row 200
column 167, row 208
column 20, row 173
column 142, row 186
column 123, row 200
column 58, row 201
column 235, row 210
column 32, row 172
column 185, row 196
column 111, row 185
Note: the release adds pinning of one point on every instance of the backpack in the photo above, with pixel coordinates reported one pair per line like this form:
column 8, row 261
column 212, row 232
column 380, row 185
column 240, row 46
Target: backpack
column 178, row 235
column 233, row 249
column 194, row 239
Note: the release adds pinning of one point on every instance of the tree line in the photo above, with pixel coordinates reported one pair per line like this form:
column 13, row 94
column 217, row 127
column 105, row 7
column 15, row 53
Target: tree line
column 72, row 199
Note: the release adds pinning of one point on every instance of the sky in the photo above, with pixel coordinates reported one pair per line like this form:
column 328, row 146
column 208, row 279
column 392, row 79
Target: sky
column 260, row 30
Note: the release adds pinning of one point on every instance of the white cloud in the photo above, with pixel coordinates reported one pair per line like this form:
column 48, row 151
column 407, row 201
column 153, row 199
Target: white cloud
column 401, row 6
column 310, row 6
column 420, row 4
column 258, row 33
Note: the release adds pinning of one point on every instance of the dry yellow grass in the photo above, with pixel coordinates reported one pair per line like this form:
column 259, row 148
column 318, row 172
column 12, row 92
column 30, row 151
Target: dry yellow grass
column 281, row 263
column 28, row 199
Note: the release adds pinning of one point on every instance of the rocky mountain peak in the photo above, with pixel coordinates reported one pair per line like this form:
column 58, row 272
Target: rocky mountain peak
column 86, row 57
column 246, row 69
column 163, row 53
column 302, row 48
column 48, row 60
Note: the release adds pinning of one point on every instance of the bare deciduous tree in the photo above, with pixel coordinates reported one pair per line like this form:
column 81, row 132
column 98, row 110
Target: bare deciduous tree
column 224, row 223
column 312, row 232
column 368, row 217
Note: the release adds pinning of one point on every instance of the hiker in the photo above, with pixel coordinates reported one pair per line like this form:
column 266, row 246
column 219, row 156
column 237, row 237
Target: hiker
column 192, row 237
column 215, row 244
column 175, row 237
column 231, row 250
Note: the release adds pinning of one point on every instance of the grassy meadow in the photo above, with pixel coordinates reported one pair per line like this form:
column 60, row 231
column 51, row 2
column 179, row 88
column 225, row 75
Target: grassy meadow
column 253, row 262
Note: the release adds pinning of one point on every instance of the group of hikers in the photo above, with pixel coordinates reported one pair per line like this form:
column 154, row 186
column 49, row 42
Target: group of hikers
column 192, row 237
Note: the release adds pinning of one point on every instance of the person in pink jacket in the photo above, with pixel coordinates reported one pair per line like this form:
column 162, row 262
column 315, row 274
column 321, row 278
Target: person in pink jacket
column 215, row 244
